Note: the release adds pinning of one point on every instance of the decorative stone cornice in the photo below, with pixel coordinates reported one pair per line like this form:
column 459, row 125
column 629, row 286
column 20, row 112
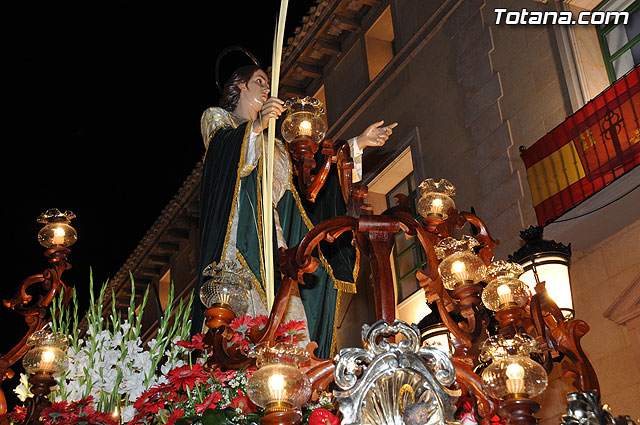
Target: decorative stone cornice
column 627, row 305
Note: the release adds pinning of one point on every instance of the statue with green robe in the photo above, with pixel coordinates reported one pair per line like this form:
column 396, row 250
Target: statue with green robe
column 230, row 205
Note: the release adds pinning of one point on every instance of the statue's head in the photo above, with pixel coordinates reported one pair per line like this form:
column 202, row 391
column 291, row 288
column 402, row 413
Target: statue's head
column 242, row 80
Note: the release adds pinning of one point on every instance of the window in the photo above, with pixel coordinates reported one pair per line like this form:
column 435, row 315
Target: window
column 408, row 255
column 620, row 43
column 379, row 43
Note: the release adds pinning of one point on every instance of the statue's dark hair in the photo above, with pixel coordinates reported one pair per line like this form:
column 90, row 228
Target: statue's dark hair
column 231, row 90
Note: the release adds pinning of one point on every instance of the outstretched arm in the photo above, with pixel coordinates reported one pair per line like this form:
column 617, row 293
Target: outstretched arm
column 374, row 135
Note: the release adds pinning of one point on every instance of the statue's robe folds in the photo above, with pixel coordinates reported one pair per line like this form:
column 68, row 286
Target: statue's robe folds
column 231, row 225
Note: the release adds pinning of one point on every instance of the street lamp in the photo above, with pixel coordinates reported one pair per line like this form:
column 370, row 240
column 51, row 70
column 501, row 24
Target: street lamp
column 546, row 261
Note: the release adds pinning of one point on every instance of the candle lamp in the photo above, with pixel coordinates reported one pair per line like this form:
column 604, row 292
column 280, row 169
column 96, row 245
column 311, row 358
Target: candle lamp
column 513, row 376
column 305, row 120
column 279, row 385
column 459, row 265
column 435, row 199
column 46, row 358
column 226, row 294
column 57, row 232
column 504, row 288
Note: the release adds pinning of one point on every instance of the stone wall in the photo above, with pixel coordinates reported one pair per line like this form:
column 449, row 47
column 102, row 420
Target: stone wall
column 475, row 92
column 599, row 275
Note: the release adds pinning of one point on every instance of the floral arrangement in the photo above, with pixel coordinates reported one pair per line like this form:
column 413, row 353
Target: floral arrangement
column 194, row 395
column 113, row 379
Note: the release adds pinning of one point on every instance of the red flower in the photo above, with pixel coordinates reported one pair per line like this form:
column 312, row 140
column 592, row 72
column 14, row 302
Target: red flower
column 239, row 339
column 56, row 412
column 196, row 343
column 18, row 415
column 177, row 414
column 259, row 321
column 224, row 376
column 241, row 324
column 186, row 376
column 208, row 403
column 250, row 371
column 289, row 330
column 243, row 402
column 322, row 416
column 148, row 402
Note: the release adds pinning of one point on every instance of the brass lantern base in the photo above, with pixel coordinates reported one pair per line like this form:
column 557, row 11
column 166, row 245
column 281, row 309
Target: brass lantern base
column 219, row 315
column 519, row 411
column 41, row 384
column 280, row 413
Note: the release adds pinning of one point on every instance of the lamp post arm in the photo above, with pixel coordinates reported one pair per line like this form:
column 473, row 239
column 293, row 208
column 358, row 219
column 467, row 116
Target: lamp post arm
column 36, row 314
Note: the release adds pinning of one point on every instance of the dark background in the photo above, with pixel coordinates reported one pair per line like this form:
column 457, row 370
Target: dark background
column 101, row 116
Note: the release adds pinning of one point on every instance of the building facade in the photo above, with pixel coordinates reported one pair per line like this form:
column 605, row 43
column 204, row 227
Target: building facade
column 469, row 95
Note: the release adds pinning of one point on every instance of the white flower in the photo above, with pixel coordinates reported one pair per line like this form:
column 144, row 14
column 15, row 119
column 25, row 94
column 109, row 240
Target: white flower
column 125, row 326
column 22, row 390
column 128, row 413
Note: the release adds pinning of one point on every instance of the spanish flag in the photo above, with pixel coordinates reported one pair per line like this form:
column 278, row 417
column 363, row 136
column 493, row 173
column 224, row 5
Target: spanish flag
column 589, row 150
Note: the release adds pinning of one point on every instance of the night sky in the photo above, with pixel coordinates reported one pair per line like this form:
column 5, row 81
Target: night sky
column 102, row 103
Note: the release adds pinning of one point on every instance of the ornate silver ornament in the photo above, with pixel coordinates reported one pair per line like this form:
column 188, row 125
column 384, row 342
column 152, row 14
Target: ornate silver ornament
column 394, row 383
column 584, row 408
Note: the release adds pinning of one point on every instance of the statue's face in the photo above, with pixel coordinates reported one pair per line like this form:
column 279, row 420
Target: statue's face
column 255, row 91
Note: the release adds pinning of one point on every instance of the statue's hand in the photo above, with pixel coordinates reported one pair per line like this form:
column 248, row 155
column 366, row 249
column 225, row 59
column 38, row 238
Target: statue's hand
column 272, row 108
column 375, row 135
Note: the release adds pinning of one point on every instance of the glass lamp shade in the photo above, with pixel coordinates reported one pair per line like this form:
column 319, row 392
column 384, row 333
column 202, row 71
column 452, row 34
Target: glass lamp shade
column 554, row 271
column 512, row 373
column 305, row 117
column 435, row 198
column 48, row 353
column 57, row 231
column 278, row 382
column 504, row 288
column 459, row 265
column 549, row 260
column 228, row 287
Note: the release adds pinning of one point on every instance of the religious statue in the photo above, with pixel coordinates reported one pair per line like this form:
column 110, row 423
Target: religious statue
column 230, row 204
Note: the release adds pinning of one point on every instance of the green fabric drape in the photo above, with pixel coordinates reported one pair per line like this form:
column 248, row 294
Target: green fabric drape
column 219, row 182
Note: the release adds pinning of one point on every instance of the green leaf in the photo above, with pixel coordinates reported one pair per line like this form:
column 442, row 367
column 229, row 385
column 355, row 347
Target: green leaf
column 253, row 417
column 215, row 417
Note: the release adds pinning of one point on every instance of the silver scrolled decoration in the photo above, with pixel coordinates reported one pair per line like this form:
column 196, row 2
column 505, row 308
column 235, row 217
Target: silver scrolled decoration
column 584, row 408
column 388, row 383
column 439, row 362
column 372, row 334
